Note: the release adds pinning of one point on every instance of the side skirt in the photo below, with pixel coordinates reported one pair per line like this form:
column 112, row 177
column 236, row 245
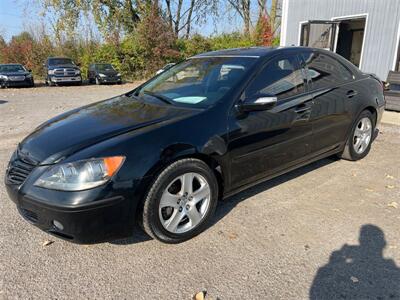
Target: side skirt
column 281, row 172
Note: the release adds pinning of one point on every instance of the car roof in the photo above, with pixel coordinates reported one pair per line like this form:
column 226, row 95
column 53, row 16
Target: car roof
column 57, row 57
column 256, row 52
column 13, row 64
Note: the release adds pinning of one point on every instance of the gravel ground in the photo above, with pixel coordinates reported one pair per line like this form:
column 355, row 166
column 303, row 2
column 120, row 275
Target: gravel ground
column 328, row 230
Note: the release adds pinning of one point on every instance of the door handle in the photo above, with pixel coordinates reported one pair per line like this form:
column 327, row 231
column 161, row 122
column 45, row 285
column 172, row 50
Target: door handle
column 351, row 93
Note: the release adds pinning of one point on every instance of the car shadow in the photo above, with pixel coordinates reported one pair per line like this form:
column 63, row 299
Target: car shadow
column 225, row 206
column 138, row 236
column 359, row 272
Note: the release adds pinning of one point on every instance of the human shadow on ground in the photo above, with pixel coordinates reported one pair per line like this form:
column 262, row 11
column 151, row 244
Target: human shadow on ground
column 3, row 101
column 359, row 272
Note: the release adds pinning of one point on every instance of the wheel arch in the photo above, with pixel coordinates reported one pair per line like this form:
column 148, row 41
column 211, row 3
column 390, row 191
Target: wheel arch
column 373, row 111
column 171, row 155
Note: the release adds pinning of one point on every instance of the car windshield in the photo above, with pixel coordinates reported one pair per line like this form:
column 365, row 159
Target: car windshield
column 11, row 68
column 104, row 67
column 60, row 61
column 197, row 82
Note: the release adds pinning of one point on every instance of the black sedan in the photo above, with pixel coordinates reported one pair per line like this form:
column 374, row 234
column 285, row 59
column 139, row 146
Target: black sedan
column 103, row 73
column 163, row 154
column 15, row 75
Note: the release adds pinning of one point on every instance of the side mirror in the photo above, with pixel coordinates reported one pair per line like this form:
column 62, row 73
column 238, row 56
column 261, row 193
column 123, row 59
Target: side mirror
column 258, row 104
column 30, row 70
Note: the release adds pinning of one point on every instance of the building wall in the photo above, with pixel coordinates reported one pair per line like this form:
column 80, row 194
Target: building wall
column 381, row 33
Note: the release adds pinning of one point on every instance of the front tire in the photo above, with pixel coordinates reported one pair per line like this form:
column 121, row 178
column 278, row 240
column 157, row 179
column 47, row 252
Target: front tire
column 181, row 201
column 359, row 142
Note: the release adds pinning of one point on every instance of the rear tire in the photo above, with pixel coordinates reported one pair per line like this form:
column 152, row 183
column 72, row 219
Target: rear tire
column 360, row 138
column 180, row 202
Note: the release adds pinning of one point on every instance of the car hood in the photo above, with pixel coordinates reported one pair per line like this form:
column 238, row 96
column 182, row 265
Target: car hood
column 82, row 127
column 14, row 73
column 63, row 66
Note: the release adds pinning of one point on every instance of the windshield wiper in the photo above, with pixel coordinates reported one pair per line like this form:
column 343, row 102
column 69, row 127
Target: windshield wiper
column 158, row 96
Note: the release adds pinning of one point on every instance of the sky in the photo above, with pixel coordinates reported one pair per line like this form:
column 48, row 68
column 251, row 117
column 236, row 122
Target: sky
column 16, row 15
column 11, row 18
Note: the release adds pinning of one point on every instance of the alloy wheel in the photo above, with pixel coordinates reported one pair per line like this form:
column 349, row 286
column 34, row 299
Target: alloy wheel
column 362, row 135
column 184, row 203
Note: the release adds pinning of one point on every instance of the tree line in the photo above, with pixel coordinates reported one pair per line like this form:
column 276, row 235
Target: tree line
column 137, row 36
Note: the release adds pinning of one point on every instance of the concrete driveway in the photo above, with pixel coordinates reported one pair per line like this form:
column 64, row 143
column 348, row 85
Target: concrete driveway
column 328, row 230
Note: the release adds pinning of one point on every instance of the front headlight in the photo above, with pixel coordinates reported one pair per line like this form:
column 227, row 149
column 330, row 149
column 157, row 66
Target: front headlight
column 102, row 75
column 50, row 72
column 119, row 75
column 80, row 175
column 77, row 72
column 4, row 77
column 29, row 76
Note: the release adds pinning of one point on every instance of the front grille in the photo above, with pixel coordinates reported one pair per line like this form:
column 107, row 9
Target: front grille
column 17, row 78
column 29, row 215
column 64, row 72
column 19, row 169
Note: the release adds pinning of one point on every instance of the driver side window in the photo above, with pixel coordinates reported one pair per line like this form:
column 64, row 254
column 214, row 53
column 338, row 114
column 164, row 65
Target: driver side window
column 281, row 78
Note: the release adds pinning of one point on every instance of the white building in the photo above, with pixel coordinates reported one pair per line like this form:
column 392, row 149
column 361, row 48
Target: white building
column 366, row 32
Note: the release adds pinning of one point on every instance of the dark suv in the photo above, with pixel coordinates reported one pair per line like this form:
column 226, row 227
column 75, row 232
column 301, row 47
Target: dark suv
column 103, row 73
column 61, row 70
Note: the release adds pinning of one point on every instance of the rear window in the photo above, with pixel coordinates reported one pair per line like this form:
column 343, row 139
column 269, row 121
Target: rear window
column 325, row 71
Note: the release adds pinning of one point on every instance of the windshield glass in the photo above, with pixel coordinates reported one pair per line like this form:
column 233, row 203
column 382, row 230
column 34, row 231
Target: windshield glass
column 198, row 82
column 104, row 67
column 60, row 61
column 12, row 68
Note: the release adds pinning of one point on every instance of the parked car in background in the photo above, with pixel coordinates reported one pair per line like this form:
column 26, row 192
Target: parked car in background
column 103, row 73
column 61, row 70
column 15, row 75
column 165, row 68
column 164, row 153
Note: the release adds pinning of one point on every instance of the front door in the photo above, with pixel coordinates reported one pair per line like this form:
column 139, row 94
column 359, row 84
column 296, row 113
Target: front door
column 333, row 90
column 263, row 142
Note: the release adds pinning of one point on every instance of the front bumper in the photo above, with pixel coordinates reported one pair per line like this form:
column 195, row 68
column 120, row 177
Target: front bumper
column 110, row 79
column 65, row 79
column 28, row 82
column 100, row 220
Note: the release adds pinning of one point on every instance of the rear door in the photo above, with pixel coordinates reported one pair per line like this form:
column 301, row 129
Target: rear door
column 263, row 142
column 333, row 90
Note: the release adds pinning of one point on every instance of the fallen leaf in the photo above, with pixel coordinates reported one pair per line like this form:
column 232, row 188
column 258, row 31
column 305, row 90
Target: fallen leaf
column 47, row 243
column 369, row 190
column 306, row 247
column 354, row 175
column 199, row 296
column 232, row 236
column 390, row 186
column 393, row 204
column 354, row 279
column 389, row 176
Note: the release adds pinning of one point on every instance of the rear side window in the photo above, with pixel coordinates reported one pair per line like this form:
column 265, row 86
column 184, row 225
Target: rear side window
column 325, row 71
column 281, row 77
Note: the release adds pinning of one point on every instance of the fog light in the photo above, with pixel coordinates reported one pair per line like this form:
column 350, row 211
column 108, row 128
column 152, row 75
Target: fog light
column 58, row 225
